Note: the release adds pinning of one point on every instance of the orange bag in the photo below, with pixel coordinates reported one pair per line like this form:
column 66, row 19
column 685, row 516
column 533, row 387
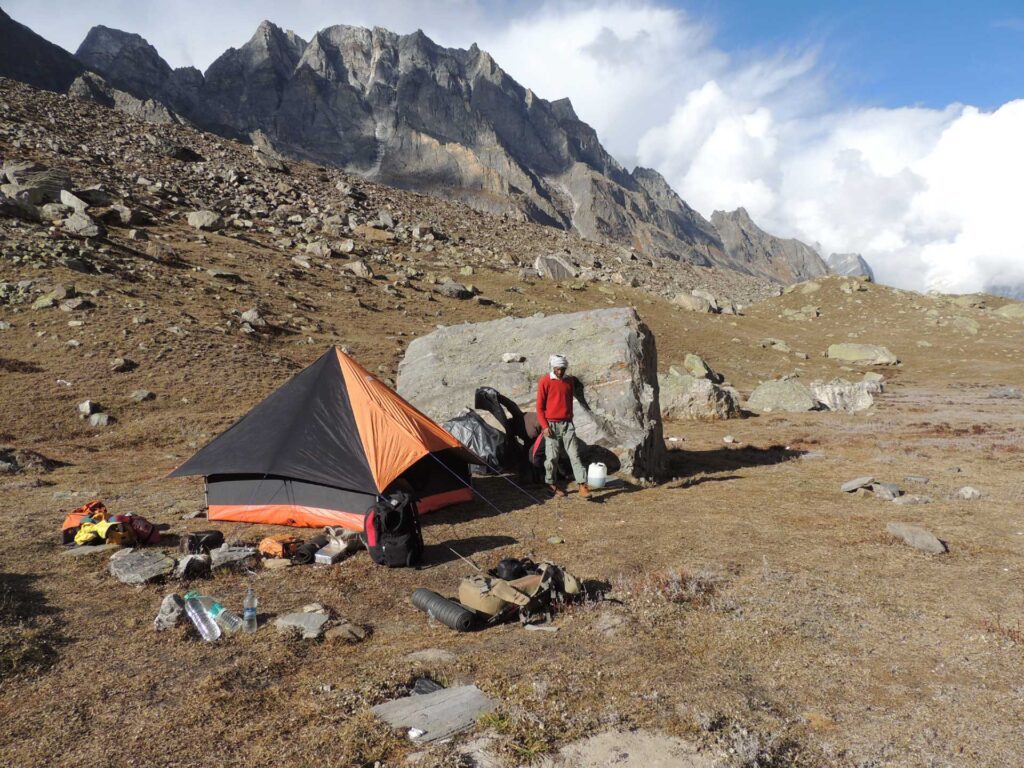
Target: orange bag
column 95, row 509
column 282, row 545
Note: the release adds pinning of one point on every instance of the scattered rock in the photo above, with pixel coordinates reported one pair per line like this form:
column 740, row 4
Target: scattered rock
column 223, row 274
column 692, row 303
column 141, row 396
column 857, row 483
column 918, row 538
column 513, row 357
column 205, row 221
column 967, row 493
column 841, row 395
column 687, row 397
column 87, row 408
column 171, row 610
column 347, row 632
column 233, row 558
column 358, row 268
column 122, row 365
column 101, row 420
column 138, row 566
column 90, row 549
column 555, row 268
column 886, row 491
column 193, row 567
column 862, row 354
column 309, row 625
column 910, row 498
column 787, row 395
column 82, row 225
column 454, row 290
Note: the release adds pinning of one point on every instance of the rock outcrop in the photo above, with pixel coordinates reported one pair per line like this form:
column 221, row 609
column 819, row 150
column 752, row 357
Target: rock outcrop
column 752, row 250
column 789, row 395
column 610, row 351
column 850, row 265
column 685, row 397
column 27, row 57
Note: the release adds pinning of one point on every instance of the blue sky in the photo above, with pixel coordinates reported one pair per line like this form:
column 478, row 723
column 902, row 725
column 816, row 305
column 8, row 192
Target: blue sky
column 897, row 53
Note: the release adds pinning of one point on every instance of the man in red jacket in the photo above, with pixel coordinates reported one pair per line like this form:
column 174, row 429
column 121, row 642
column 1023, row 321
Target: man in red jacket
column 554, row 413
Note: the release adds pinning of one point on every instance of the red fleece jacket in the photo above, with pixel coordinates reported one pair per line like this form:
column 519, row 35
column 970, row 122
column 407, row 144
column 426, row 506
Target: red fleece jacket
column 554, row 399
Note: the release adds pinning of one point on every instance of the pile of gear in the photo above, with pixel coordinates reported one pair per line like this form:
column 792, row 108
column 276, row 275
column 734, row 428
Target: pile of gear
column 517, row 588
column 325, row 548
column 93, row 524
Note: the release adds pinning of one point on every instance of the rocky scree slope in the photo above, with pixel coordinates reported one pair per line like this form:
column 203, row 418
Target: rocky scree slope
column 404, row 111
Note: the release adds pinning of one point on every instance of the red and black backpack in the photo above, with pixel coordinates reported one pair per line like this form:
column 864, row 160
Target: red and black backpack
column 391, row 531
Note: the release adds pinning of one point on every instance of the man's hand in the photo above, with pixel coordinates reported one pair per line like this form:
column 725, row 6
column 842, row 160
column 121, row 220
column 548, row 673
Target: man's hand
column 548, row 432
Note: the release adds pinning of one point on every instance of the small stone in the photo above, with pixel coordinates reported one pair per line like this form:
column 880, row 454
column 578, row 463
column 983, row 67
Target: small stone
column 309, row 625
column 233, row 558
column 253, row 318
column 918, row 538
column 170, row 612
column 141, row 396
column 910, row 498
column 193, row 567
column 886, row 491
column 358, row 268
column 556, row 540
column 347, row 632
column 122, row 365
column 87, row 408
column 100, row 420
column 967, row 493
column 513, row 357
column 852, row 485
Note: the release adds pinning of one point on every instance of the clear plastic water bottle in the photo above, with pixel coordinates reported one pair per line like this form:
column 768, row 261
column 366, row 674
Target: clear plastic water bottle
column 205, row 625
column 249, row 610
column 229, row 621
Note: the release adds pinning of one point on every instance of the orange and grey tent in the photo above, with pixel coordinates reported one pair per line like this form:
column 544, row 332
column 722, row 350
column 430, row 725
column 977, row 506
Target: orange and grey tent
column 320, row 449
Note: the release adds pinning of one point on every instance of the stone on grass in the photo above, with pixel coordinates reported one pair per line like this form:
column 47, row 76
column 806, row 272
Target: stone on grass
column 225, row 275
column 193, row 567
column 692, row 303
column 122, row 365
column 610, row 351
column 788, row 395
column 862, row 354
column 309, row 625
column 138, row 566
column 346, row 631
column 101, row 420
column 171, row 610
column 856, row 484
column 554, row 268
column 886, row 491
column 841, row 395
column 87, row 549
column 967, row 493
column 87, row 408
column 358, row 268
column 432, row 716
column 141, row 396
column 454, row 290
column 910, row 498
column 917, row 537
column 233, row 558
column 687, row 397
column 205, row 221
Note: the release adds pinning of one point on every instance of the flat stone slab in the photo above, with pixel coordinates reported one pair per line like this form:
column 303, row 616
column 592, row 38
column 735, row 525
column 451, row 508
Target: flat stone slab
column 432, row 656
column 857, row 483
column 85, row 551
column 233, row 558
column 917, row 537
column 138, row 566
column 311, row 625
column 887, row 491
column 436, row 715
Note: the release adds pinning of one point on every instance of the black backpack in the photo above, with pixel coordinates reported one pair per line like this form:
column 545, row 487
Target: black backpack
column 391, row 531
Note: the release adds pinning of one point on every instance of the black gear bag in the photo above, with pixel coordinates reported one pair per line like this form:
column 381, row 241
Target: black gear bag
column 391, row 531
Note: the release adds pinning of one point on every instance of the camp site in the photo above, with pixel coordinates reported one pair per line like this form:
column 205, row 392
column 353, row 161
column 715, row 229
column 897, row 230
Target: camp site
column 362, row 406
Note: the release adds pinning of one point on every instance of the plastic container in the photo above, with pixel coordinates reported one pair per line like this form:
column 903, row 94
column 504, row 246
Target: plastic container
column 448, row 612
column 229, row 621
column 249, row 611
column 208, row 629
column 597, row 475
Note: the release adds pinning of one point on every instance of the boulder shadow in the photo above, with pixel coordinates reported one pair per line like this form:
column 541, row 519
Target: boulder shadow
column 682, row 463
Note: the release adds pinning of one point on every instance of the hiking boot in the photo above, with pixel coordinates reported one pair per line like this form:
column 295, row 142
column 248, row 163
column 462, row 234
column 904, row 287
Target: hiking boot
column 558, row 492
column 584, row 490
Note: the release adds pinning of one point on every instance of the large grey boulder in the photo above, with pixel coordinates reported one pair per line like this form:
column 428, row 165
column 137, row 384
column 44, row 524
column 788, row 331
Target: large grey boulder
column 787, row 395
column 610, row 351
column 692, row 303
column 842, row 395
column 205, row 220
column 689, row 397
column 33, row 183
column 862, row 354
column 554, row 268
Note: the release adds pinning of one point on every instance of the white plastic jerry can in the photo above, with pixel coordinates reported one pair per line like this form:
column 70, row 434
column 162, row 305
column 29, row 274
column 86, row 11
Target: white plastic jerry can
column 597, row 475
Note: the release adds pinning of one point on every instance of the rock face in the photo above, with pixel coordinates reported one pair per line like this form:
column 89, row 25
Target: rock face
column 862, row 354
column 610, row 351
column 27, row 57
column 404, row 111
column 752, row 250
column 850, row 265
column 91, row 87
column 787, row 395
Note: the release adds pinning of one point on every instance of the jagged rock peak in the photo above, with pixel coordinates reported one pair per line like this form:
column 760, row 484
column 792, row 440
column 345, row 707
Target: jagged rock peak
column 752, row 250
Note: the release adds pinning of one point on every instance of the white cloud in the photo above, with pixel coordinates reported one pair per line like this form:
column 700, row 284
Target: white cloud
column 928, row 196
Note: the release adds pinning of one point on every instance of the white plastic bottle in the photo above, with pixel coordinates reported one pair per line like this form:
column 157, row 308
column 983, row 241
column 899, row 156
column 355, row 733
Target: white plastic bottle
column 229, row 621
column 249, row 610
column 204, row 623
